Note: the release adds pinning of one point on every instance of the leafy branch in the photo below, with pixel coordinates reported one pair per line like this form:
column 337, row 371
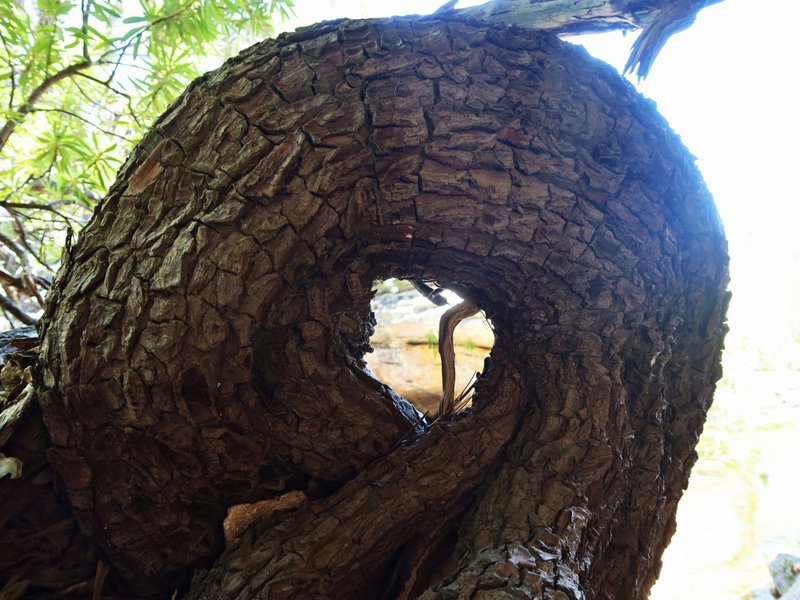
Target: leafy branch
column 35, row 96
column 79, row 82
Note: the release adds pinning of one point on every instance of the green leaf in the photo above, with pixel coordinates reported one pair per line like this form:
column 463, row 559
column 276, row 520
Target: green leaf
column 98, row 34
column 77, row 137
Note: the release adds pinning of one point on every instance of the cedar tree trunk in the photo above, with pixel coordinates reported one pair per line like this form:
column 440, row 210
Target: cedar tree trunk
column 203, row 344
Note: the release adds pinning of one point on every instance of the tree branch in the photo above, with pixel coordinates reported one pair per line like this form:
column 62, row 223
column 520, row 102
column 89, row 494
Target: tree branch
column 84, row 29
column 36, row 95
column 12, row 77
column 11, row 280
column 20, row 231
column 25, row 284
column 74, row 69
column 106, row 84
column 16, row 249
column 15, row 310
column 10, row 206
column 659, row 19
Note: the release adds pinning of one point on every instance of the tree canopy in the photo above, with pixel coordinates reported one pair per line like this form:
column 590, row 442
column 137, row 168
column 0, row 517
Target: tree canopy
column 80, row 81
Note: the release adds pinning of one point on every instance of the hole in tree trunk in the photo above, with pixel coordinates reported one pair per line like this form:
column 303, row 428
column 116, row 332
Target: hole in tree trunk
column 406, row 345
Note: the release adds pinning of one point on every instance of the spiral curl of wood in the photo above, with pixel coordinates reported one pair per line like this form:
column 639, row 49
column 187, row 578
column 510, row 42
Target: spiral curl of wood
column 203, row 344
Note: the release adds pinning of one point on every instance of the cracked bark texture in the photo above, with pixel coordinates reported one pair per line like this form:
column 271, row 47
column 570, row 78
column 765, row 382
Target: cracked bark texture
column 203, row 342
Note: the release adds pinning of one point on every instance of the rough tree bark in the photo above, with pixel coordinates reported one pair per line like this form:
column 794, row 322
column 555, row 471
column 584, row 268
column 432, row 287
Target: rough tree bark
column 203, row 342
column 582, row 16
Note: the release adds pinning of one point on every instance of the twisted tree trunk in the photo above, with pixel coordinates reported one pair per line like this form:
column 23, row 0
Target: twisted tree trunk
column 203, row 343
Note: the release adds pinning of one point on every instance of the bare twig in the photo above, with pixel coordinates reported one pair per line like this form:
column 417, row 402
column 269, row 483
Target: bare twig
column 85, row 28
column 20, row 231
column 16, row 311
column 12, row 206
column 11, row 280
column 99, row 579
column 462, row 400
column 84, row 120
column 106, row 84
column 16, row 249
column 12, row 74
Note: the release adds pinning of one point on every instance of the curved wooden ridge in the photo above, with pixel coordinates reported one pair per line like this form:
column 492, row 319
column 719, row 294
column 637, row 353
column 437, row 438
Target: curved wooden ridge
column 203, row 343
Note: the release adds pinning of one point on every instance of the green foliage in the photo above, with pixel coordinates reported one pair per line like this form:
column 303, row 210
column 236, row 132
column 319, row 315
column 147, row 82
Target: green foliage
column 80, row 81
column 432, row 338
